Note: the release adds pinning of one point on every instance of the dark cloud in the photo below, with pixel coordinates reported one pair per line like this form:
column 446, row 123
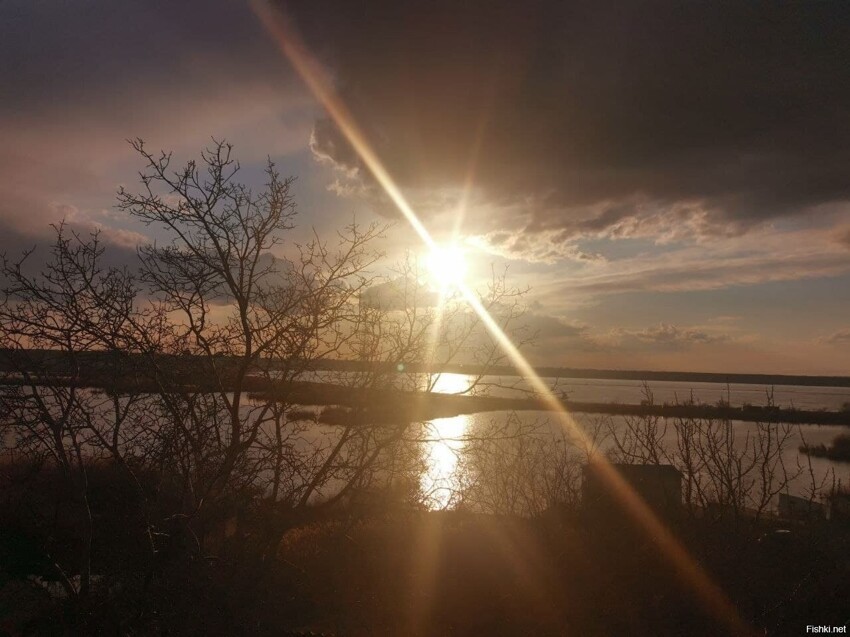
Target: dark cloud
column 598, row 118
column 35, row 253
column 58, row 53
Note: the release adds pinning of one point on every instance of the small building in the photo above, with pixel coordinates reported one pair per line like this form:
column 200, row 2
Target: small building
column 792, row 507
column 839, row 506
column 660, row 487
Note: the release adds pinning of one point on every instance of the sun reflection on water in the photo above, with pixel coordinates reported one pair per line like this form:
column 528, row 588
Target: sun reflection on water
column 444, row 445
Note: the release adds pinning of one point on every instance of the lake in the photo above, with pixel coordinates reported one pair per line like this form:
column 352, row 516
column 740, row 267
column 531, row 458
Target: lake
column 445, row 452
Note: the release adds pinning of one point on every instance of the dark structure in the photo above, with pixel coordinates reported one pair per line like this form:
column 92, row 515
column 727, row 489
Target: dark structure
column 792, row 507
column 660, row 486
column 839, row 506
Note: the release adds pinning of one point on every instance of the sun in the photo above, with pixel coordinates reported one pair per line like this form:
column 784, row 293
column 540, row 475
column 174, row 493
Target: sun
column 447, row 266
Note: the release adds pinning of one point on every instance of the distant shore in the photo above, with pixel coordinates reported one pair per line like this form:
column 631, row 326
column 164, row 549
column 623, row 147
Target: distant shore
column 344, row 404
column 608, row 374
column 412, row 406
column 339, row 365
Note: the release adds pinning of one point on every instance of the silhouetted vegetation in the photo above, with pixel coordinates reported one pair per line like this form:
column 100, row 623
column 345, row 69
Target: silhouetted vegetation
column 169, row 467
column 388, row 567
column 839, row 450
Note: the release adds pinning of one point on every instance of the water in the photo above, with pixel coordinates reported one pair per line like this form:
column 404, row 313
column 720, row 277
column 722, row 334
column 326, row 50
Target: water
column 629, row 391
column 446, row 440
column 445, row 449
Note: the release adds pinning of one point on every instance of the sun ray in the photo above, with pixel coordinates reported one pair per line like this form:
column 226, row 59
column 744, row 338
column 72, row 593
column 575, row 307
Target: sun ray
column 466, row 193
column 713, row 598
column 320, row 85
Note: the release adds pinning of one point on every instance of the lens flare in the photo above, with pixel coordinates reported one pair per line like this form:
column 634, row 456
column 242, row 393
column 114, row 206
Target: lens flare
column 690, row 572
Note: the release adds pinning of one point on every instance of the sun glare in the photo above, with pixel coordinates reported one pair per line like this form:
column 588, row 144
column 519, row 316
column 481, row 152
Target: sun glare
column 447, row 266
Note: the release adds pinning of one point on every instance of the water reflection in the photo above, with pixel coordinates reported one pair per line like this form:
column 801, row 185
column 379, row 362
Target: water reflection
column 445, row 442
column 446, row 438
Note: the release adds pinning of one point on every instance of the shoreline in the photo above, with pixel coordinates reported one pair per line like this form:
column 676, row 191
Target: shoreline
column 59, row 360
column 395, row 406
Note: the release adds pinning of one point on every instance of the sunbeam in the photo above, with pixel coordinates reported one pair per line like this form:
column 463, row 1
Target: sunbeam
column 712, row 597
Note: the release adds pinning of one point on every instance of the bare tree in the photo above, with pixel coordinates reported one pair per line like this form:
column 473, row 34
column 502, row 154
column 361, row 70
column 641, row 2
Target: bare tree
column 240, row 310
column 732, row 471
column 211, row 315
column 65, row 329
column 400, row 325
column 189, row 372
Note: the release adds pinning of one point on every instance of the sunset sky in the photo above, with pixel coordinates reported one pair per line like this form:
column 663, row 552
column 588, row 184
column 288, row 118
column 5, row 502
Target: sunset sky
column 671, row 179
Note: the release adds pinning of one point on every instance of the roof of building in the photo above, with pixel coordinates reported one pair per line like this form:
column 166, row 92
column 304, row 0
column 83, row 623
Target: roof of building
column 641, row 469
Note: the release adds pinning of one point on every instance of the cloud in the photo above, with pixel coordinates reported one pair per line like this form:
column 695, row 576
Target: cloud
column 558, row 341
column 546, row 326
column 544, row 247
column 725, row 319
column 77, row 84
column 771, row 256
column 398, row 294
column 553, row 333
column 664, row 335
column 841, row 337
column 594, row 119
column 88, row 222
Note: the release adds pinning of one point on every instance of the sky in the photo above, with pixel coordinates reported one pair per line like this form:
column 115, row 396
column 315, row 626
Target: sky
column 671, row 180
